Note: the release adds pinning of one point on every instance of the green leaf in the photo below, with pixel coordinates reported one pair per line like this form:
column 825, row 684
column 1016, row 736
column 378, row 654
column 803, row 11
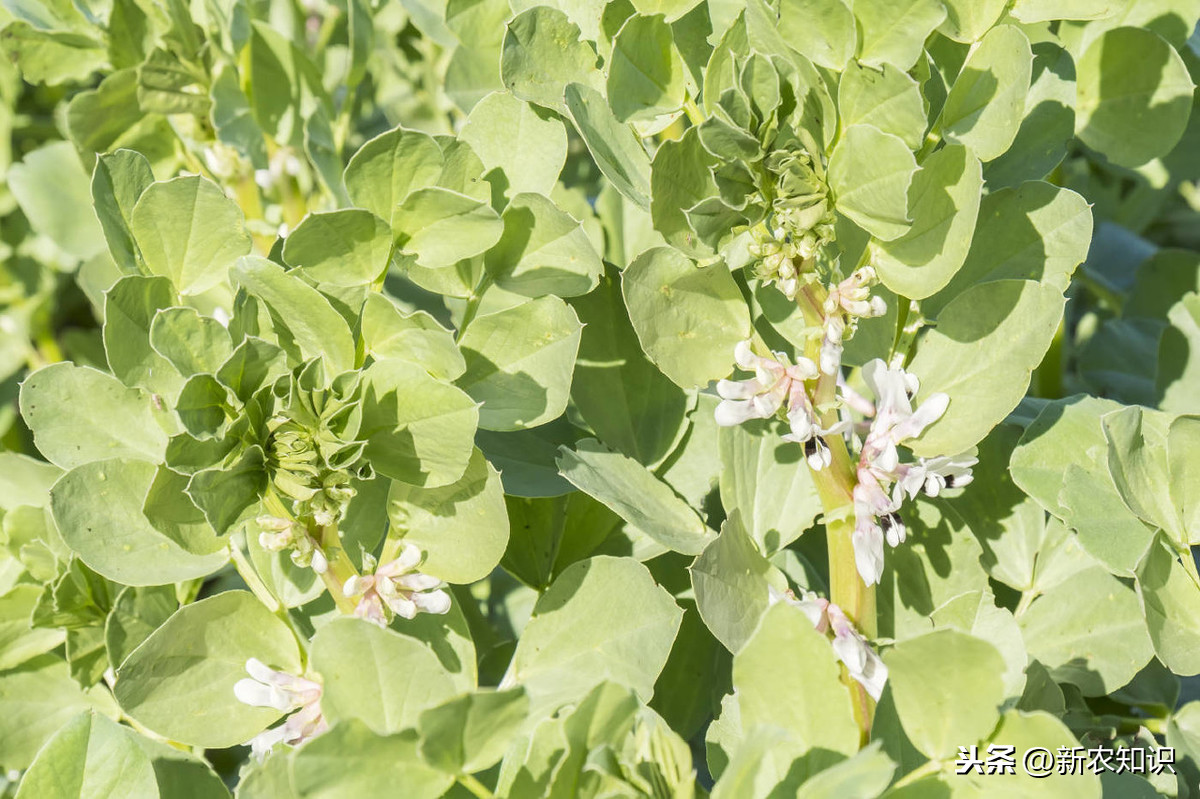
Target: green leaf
column 542, row 53
column 418, row 429
column 114, row 422
column 1134, row 96
column 543, row 250
column 1183, row 446
column 519, row 363
column 943, row 202
column 51, row 57
column 671, row 9
column 1178, row 376
column 602, row 619
column 731, row 579
column 415, row 338
column 629, row 403
column 1031, row 11
column 786, row 677
column 118, row 181
column 377, row 676
column 228, row 490
column 634, row 494
column 680, row 177
column 98, row 508
column 179, row 682
column 19, row 641
column 1171, row 604
column 305, row 322
column 348, row 247
column 194, row 344
column 391, row 166
column 885, row 98
column 442, row 227
column 350, row 760
column 52, row 190
column 526, row 458
column 969, row 20
column 1049, row 121
column 987, row 342
column 1088, row 630
column 975, row 613
column 471, row 733
column 947, row 689
column 824, row 32
column 869, row 173
column 462, row 527
column 1137, row 461
column 189, row 231
column 1062, row 462
column 37, row 699
column 895, row 32
column 136, row 614
column 500, row 119
column 864, row 776
column 687, row 318
column 129, row 310
column 645, row 71
column 90, row 757
column 766, row 481
column 614, row 146
column 1036, row 231
column 983, row 110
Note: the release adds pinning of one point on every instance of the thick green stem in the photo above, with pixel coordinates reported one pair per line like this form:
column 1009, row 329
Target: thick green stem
column 835, row 485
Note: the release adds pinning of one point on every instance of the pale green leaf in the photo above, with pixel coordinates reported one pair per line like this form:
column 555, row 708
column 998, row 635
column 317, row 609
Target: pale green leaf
column 1134, row 96
column 543, row 250
column 179, row 682
column 519, row 363
column 500, row 119
column 189, row 231
column 391, row 166
column 943, row 202
column 90, row 758
column 645, row 71
column 869, row 173
column 635, row 494
column 983, row 110
column 894, row 32
column 688, row 318
column 348, row 247
column 615, row 148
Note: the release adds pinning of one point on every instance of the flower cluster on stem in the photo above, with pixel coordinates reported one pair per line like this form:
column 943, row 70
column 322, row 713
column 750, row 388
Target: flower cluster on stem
column 849, row 645
column 287, row 693
column 396, row 587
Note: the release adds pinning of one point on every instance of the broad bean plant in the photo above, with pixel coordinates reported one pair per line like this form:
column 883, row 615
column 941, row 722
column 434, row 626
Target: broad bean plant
column 570, row 398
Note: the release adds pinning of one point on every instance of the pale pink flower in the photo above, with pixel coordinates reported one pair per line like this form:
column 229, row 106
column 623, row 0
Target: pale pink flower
column 397, row 586
column 286, row 693
column 775, row 382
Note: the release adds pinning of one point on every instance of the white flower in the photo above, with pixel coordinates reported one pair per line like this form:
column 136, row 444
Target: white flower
column 400, row 587
column 864, row 665
column 280, row 534
column 806, row 429
column 760, row 397
column 850, row 647
column 286, row 693
column 934, row 475
column 895, row 422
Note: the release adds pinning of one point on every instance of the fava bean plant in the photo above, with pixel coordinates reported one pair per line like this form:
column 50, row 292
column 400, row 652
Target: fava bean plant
column 567, row 398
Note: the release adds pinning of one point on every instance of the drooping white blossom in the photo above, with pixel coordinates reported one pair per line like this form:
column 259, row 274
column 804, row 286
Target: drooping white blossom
column 398, row 587
column 850, row 646
column 775, row 382
column 286, row 693
column 879, row 466
column 805, row 428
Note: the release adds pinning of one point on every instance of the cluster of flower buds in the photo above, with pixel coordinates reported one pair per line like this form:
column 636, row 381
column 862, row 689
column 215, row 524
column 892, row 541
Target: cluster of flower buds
column 849, row 645
column 299, row 474
column 286, row 693
column 846, row 303
column 784, row 247
column 396, row 587
column 882, row 479
column 279, row 535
